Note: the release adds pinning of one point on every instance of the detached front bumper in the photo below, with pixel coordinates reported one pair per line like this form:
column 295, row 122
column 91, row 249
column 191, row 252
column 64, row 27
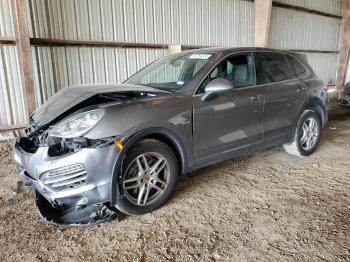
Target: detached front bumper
column 75, row 179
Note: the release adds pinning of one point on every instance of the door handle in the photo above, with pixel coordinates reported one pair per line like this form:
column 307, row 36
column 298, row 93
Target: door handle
column 300, row 90
column 255, row 98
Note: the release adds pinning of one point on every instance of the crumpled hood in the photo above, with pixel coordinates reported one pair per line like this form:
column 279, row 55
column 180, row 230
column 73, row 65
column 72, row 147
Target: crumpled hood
column 69, row 97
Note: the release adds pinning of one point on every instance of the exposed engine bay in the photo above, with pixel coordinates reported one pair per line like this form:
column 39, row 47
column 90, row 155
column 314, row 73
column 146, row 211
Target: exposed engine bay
column 36, row 135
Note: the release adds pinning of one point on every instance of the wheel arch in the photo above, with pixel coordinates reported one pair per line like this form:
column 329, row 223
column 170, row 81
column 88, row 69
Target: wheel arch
column 318, row 108
column 162, row 134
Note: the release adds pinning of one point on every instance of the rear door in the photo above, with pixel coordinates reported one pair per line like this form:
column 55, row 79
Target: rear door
column 229, row 122
column 285, row 95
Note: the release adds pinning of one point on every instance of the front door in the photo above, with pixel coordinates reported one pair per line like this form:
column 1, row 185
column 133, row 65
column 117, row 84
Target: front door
column 228, row 122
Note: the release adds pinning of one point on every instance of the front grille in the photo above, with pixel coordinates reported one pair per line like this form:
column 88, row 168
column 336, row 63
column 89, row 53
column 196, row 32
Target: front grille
column 65, row 177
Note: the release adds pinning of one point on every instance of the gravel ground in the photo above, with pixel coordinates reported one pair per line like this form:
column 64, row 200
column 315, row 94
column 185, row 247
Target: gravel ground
column 5, row 150
column 266, row 207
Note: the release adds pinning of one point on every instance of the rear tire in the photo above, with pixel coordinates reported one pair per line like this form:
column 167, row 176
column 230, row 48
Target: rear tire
column 148, row 177
column 306, row 135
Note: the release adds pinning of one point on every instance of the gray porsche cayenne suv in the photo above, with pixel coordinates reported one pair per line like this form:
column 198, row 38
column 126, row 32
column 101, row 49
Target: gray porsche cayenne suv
column 126, row 144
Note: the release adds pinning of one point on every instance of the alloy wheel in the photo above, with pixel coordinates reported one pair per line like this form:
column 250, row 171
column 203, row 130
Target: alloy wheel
column 146, row 178
column 310, row 133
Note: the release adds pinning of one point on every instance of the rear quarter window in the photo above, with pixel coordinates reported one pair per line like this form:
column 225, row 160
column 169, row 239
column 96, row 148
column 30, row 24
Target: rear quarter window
column 272, row 67
column 299, row 69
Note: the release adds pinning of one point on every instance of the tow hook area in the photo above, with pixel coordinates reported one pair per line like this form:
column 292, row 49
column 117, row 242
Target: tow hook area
column 73, row 216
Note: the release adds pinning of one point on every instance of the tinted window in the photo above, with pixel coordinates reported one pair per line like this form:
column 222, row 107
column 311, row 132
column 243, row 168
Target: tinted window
column 299, row 68
column 272, row 67
column 239, row 69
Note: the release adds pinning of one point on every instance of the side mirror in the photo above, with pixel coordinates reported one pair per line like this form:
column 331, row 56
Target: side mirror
column 216, row 87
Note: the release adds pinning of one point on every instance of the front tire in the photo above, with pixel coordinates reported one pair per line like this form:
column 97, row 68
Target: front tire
column 306, row 135
column 148, row 177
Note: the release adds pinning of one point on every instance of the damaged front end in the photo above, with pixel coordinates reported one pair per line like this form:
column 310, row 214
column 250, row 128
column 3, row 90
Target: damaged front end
column 70, row 184
column 71, row 171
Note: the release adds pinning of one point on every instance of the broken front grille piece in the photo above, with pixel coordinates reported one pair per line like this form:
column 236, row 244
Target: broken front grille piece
column 68, row 177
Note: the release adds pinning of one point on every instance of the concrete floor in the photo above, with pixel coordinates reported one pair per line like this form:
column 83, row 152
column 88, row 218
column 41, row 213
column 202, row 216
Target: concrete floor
column 266, row 207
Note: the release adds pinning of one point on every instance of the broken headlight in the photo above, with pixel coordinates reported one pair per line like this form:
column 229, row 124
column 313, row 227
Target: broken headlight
column 77, row 125
column 59, row 146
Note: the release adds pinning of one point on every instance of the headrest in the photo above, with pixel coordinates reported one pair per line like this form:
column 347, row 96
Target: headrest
column 240, row 74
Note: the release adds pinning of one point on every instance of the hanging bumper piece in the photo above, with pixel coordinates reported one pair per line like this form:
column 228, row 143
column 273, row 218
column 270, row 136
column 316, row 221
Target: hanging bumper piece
column 74, row 216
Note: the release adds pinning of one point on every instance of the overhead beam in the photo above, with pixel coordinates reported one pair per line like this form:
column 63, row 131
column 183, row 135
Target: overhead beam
column 344, row 46
column 7, row 40
column 89, row 43
column 301, row 9
column 52, row 42
column 105, row 44
column 24, row 53
column 319, row 51
column 262, row 10
column 304, row 9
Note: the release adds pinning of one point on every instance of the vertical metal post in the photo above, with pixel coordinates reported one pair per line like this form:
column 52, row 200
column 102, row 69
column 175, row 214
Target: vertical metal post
column 344, row 46
column 24, row 53
column 262, row 11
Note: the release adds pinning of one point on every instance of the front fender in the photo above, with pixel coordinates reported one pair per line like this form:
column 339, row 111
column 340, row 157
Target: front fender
column 132, row 141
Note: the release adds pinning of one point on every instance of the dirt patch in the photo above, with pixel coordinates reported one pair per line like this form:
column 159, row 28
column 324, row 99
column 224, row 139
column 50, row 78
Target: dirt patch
column 5, row 153
column 266, row 207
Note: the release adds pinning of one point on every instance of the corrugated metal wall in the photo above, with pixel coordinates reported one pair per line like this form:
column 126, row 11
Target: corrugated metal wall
column 292, row 29
column 197, row 22
column 6, row 24
column 12, row 110
column 324, row 65
column 299, row 30
column 11, row 98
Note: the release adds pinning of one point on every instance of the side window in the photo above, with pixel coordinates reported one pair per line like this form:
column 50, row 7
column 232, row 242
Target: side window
column 298, row 67
column 272, row 67
column 238, row 69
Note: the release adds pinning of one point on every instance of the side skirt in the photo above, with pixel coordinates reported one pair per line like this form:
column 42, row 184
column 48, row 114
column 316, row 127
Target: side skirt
column 235, row 154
